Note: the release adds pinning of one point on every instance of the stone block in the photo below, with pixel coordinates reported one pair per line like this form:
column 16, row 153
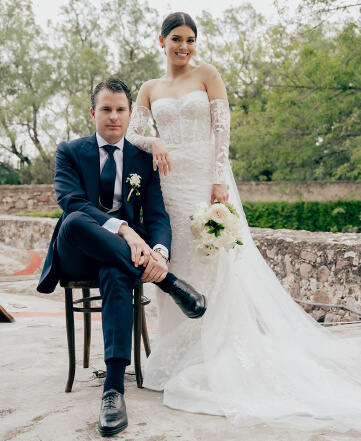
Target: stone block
column 43, row 198
column 271, row 253
column 350, row 302
column 305, row 269
column 321, row 296
column 323, row 274
column 310, row 257
column 330, row 254
column 20, row 205
column 295, row 290
column 291, row 250
column 329, row 317
column 288, row 265
column 340, row 264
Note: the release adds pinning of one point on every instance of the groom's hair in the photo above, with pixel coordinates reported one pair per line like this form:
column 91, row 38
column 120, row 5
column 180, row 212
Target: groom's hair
column 115, row 86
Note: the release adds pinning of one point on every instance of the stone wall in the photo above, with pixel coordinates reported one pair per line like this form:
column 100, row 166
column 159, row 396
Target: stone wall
column 29, row 233
column 17, row 198
column 296, row 191
column 316, row 267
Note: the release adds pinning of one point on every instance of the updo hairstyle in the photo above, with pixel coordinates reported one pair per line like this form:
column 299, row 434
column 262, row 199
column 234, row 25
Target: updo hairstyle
column 177, row 19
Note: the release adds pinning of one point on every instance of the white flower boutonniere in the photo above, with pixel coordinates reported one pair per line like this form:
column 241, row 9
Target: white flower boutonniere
column 134, row 181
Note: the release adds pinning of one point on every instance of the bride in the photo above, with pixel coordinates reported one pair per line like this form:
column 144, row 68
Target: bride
column 255, row 356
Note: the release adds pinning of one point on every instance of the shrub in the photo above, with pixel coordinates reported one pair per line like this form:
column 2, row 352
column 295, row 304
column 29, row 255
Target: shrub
column 53, row 214
column 335, row 216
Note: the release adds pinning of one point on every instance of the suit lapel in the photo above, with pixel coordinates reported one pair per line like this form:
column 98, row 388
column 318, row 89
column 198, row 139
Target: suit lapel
column 90, row 165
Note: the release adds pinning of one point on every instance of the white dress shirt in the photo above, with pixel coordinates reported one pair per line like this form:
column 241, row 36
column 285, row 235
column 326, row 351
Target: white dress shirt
column 114, row 224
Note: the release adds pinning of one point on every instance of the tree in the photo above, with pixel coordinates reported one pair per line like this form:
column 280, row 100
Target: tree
column 26, row 82
column 310, row 126
column 294, row 96
column 133, row 28
column 294, row 93
column 314, row 13
column 236, row 45
column 82, row 61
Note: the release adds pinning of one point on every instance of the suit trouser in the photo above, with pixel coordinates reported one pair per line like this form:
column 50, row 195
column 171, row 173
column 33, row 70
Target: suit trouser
column 87, row 251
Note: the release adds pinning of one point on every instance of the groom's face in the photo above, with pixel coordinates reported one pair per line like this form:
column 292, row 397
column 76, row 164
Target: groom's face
column 111, row 115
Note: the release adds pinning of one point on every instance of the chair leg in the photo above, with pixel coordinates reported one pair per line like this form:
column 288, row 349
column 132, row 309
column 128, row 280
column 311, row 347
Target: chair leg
column 145, row 333
column 87, row 330
column 71, row 337
column 137, row 334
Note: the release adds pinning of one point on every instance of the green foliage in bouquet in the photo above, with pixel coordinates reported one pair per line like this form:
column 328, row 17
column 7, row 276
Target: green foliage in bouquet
column 215, row 227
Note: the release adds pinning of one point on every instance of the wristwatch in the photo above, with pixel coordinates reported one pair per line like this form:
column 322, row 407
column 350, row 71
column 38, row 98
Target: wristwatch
column 162, row 253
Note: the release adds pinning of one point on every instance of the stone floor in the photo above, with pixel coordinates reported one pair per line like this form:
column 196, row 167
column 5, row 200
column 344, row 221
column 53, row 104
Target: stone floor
column 33, row 371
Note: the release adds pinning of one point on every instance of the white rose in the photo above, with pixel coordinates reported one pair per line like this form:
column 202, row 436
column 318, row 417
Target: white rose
column 196, row 228
column 135, row 180
column 219, row 213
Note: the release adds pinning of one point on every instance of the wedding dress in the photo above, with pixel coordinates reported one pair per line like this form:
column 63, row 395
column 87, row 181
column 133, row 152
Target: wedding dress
column 255, row 356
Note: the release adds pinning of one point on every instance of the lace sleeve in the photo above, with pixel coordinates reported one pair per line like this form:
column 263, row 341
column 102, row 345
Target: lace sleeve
column 136, row 129
column 221, row 128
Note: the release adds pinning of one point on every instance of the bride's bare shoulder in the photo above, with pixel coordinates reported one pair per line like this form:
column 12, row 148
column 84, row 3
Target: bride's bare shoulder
column 207, row 70
column 212, row 81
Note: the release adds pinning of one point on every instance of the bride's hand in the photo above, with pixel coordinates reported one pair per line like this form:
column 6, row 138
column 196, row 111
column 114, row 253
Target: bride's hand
column 161, row 155
column 219, row 192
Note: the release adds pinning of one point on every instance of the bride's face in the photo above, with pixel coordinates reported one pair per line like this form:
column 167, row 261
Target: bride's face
column 179, row 45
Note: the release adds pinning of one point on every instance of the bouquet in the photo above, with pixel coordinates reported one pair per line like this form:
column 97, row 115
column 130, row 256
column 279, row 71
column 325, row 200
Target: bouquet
column 215, row 227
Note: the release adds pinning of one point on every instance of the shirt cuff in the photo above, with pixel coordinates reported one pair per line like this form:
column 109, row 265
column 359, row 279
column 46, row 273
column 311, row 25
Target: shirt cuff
column 113, row 225
column 162, row 247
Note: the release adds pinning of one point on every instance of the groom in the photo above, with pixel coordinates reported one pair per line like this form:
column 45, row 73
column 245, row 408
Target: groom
column 102, row 183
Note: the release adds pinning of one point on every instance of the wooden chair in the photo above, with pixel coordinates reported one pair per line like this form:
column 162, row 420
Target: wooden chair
column 5, row 316
column 140, row 325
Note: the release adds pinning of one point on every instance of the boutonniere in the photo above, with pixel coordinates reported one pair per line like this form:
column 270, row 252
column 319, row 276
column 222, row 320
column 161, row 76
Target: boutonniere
column 134, row 181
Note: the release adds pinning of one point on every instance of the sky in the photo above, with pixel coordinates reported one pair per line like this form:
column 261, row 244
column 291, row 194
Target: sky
column 48, row 10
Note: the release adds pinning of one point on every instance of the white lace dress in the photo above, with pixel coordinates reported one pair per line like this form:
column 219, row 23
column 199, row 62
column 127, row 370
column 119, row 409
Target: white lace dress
column 255, row 356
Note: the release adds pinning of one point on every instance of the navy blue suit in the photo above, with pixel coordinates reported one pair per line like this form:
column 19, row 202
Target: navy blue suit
column 81, row 248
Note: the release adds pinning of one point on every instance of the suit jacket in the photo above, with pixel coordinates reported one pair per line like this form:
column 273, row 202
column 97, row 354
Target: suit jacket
column 77, row 176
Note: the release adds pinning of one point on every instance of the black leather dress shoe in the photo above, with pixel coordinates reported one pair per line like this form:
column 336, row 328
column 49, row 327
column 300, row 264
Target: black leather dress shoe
column 192, row 303
column 113, row 414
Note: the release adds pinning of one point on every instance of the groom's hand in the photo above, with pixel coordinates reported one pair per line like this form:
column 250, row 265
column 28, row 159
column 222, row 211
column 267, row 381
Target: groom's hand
column 140, row 250
column 156, row 269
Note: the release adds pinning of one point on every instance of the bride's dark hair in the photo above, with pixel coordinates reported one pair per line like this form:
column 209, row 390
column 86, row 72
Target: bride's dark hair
column 177, row 19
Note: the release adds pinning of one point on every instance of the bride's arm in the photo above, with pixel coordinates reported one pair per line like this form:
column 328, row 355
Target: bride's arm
column 136, row 129
column 220, row 117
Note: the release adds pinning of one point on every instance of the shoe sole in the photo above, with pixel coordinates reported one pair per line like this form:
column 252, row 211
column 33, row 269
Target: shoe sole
column 202, row 313
column 112, row 431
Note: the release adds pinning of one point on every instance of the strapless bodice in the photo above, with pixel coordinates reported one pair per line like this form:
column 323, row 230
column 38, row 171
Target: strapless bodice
column 185, row 120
